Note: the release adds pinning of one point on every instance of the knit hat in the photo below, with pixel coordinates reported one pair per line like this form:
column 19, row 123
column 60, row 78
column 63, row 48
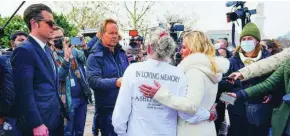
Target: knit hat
column 251, row 29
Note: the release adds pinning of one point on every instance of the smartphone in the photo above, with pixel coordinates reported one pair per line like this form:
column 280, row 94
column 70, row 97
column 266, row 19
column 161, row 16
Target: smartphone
column 227, row 98
column 76, row 41
column 227, row 78
column 134, row 51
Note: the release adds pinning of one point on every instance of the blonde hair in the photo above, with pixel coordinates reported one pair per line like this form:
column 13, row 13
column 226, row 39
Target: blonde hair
column 104, row 24
column 198, row 42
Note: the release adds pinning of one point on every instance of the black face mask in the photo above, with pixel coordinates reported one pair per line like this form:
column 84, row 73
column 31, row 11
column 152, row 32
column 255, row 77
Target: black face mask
column 58, row 43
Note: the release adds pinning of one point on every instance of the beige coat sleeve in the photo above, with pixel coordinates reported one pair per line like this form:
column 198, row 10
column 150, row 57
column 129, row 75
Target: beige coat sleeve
column 193, row 97
column 266, row 65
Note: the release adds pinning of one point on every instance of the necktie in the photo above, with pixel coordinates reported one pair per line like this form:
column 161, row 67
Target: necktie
column 48, row 54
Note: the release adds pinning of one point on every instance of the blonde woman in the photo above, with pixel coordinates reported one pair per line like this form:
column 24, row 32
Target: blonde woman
column 203, row 71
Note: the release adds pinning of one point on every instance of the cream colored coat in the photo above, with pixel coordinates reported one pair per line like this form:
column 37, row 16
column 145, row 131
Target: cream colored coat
column 266, row 65
column 202, row 86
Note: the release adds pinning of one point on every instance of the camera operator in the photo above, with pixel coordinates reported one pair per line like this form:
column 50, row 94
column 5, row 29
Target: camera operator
column 74, row 90
column 134, row 52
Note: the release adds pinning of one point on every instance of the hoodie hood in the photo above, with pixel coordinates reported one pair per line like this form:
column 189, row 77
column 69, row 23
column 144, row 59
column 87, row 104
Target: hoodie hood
column 201, row 62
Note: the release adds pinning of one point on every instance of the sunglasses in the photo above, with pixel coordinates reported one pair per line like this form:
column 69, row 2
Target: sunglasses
column 50, row 23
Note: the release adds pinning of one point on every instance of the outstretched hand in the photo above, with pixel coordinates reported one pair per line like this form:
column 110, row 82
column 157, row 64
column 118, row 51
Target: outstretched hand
column 149, row 91
column 236, row 76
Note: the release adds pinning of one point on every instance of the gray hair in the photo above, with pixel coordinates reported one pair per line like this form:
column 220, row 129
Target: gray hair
column 162, row 46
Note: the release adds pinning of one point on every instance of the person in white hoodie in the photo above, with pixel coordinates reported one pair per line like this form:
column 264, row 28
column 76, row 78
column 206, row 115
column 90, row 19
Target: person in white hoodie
column 203, row 71
column 136, row 115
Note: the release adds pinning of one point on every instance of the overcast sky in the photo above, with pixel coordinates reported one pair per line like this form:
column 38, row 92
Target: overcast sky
column 210, row 15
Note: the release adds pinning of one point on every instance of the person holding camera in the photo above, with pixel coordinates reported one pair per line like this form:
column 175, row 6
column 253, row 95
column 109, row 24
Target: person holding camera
column 74, row 90
column 105, row 68
column 135, row 52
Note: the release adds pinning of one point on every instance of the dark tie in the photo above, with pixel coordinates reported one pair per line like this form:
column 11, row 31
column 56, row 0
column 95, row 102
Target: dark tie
column 48, row 54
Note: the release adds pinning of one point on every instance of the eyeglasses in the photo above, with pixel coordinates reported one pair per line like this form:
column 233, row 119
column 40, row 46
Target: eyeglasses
column 50, row 23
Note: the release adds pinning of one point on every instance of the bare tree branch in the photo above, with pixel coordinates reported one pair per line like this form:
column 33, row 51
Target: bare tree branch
column 145, row 11
column 85, row 14
column 126, row 7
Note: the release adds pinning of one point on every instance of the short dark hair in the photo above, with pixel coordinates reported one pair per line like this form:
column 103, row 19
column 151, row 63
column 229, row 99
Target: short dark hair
column 18, row 33
column 34, row 12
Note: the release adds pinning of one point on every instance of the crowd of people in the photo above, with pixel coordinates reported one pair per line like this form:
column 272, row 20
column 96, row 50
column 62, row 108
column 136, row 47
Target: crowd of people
column 46, row 83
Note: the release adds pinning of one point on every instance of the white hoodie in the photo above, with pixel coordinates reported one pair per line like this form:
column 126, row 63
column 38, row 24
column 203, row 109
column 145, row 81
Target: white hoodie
column 136, row 115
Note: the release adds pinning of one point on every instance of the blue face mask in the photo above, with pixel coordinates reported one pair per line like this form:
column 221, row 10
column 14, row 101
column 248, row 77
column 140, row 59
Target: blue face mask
column 248, row 46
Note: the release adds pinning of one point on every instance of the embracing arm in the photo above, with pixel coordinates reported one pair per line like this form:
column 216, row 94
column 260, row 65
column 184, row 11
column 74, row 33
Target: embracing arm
column 192, row 100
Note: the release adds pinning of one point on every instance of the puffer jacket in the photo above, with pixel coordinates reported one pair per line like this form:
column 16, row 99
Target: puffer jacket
column 103, row 70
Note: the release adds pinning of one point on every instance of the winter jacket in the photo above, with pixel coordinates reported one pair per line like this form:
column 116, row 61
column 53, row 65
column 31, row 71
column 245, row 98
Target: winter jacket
column 252, row 111
column 90, row 45
column 7, row 94
column 236, row 64
column 280, row 113
column 265, row 66
column 202, row 85
column 103, row 70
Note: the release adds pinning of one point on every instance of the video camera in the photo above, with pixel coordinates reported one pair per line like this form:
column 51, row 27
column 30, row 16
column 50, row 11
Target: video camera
column 242, row 13
column 174, row 29
column 133, row 34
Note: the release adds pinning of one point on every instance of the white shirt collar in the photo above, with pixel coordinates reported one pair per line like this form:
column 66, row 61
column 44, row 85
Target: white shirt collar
column 42, row 45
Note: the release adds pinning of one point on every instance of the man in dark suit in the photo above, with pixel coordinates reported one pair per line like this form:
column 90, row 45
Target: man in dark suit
column 35, row 77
